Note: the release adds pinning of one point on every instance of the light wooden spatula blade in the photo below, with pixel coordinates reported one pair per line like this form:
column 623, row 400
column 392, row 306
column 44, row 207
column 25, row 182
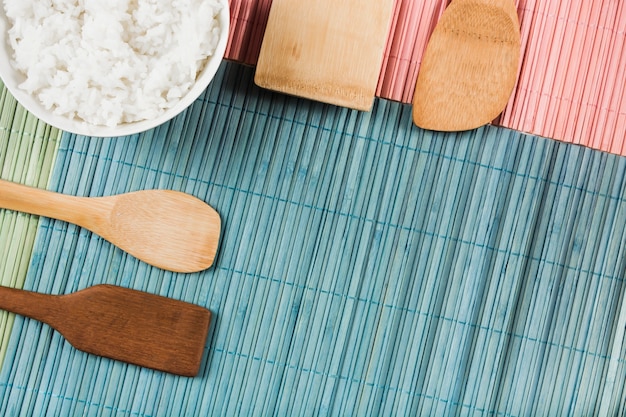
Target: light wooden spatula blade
column 325, row 50
column 470, row 66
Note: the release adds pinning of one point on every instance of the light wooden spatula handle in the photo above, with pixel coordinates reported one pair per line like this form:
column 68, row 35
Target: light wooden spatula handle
column 47, row 203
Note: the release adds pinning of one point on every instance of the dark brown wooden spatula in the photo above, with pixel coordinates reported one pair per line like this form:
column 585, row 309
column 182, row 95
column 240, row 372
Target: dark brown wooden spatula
column 127, row 325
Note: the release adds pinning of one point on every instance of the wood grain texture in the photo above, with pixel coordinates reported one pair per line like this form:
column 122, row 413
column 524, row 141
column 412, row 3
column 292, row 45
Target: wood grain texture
column 470, row 66
column 325, row 50
column 122, row 324
column 168, row 229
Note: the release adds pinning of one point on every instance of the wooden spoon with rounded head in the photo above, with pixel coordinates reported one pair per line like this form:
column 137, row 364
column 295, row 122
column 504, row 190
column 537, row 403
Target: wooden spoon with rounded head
column 122, row 324
column 470, row 66
column 168, row 229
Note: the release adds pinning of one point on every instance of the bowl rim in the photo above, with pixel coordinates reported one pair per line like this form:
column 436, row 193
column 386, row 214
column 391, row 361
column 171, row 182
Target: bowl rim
column 12, row 79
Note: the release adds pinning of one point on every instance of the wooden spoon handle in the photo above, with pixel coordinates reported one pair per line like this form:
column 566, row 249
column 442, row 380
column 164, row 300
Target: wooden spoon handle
column 46, row 203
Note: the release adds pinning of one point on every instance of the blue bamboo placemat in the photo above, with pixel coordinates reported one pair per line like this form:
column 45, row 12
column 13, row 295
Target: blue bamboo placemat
column 366, row 267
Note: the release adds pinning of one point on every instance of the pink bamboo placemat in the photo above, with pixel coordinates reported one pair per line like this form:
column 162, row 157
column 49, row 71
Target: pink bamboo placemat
column 572, row 77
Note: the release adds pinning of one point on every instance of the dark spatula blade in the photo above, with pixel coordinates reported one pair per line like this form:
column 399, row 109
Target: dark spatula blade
column 136, row 327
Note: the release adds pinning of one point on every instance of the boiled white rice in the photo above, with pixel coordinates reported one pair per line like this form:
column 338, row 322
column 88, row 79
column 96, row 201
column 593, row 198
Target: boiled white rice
column 111, row 61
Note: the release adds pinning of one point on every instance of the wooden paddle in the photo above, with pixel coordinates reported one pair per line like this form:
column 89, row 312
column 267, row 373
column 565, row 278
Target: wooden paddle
column 168, row 229
column 325, row 50
column 122, row 324
column 470, row 65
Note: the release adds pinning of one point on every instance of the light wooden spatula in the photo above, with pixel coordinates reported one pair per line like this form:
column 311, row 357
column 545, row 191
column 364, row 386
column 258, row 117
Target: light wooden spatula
column 122, row 324
column 470, row 66
column 168, row 229
column 326, row 50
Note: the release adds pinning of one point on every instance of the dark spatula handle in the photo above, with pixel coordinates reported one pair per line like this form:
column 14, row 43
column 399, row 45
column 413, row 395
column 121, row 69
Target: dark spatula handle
column 42, row 307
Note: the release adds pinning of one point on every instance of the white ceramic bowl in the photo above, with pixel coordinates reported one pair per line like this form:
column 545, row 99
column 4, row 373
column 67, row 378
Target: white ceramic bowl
column 12, row 79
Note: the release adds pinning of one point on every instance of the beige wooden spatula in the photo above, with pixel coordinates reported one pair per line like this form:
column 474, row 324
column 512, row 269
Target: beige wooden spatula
column 325, row 50
column 470, row 65
column 122, row 324
column 168, row 229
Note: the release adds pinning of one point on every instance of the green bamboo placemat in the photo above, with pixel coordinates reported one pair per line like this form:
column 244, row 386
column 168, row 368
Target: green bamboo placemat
column 27, row 150
column 366, row 267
